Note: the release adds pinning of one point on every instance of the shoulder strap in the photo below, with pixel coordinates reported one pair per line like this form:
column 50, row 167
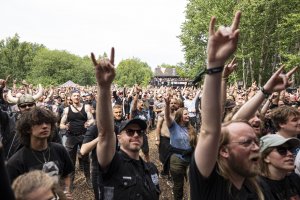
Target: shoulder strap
column 83, row 107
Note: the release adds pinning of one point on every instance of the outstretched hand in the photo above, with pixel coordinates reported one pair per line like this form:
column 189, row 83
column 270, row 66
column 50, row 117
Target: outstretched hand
column 167, row 99
column 2, row 83
column 223, row 43
column 229, row 68
column 104, row 69
column 279, row 81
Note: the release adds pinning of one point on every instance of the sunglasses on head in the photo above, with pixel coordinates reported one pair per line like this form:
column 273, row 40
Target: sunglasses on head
column 26, row 105
column 131, row 132
column 283, row 150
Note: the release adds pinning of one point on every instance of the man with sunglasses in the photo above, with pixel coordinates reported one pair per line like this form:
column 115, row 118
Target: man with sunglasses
column 10, row 139
column 277, row 166
column 123, row 174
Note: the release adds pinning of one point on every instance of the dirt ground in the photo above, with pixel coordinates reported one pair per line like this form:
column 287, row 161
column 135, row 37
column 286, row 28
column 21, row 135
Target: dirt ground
column 81, row 191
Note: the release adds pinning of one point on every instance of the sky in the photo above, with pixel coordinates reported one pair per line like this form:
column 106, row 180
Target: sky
column 144, row 29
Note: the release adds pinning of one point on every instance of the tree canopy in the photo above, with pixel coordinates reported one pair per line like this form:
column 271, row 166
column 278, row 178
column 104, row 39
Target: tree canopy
column 133, row 71
column 269, row 35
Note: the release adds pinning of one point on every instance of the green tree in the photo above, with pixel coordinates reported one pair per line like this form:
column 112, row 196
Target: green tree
column 133, row 71
column 269, row 34
column 53, row 67
column 16, row 57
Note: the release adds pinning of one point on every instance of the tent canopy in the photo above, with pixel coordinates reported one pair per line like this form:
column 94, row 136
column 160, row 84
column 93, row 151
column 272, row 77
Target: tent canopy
column 69, row 83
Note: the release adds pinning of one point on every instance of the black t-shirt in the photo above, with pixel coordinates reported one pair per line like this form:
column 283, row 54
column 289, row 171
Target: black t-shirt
column 127, row 178
column 55, row 161
column 285, row 189
column 216, row 187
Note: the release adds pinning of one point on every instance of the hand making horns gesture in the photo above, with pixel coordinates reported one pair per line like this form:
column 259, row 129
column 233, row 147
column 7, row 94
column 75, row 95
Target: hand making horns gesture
column 279, row 81
column 223, row 42
column 104, row 69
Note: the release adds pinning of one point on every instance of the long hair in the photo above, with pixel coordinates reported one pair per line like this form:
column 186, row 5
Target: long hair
column 223, row 166
column 35, row 116
column 264, row 169
column 191, row 131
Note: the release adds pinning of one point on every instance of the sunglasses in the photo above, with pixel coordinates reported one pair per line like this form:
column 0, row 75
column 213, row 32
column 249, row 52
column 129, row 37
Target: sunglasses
column 284, row 150
column 26, row 105
column 131, row 132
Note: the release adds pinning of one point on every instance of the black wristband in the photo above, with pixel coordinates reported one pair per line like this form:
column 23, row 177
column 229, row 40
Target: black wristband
column 266, row 94
column 207, row 71
column 214, row 70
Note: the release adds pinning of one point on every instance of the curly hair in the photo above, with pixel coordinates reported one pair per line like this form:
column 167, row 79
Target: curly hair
column 281, row 114
column 35, row 116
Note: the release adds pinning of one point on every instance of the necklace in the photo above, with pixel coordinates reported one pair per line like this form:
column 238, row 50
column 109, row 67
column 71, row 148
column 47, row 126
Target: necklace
column 44, row 156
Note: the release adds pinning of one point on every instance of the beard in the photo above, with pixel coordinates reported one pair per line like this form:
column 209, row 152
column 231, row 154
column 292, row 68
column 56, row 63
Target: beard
column 243, row 168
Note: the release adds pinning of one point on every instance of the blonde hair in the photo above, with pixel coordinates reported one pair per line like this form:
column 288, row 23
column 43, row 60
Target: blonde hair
column 223, row 168
column 31, row 181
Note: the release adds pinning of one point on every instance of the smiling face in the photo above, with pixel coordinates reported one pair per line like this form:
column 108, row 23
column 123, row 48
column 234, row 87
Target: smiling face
column 131, row 143
column 255, row 122
column 185, row 116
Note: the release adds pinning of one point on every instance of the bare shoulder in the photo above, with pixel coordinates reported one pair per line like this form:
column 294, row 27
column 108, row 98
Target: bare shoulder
column 66, row 110
column 87, row 107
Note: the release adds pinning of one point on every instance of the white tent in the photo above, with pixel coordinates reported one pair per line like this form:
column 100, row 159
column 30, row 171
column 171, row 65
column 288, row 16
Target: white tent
column 69, row 83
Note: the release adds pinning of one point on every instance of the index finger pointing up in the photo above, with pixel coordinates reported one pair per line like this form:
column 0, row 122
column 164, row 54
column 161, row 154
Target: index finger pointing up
column 236, row 21
column 112, row 56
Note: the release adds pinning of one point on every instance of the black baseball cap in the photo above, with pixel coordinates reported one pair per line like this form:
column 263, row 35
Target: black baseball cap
column 141, row 123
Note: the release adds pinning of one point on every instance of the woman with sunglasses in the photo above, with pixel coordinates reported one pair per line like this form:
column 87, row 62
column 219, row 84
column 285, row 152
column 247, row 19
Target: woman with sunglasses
column 183, row 139
column 277, row 166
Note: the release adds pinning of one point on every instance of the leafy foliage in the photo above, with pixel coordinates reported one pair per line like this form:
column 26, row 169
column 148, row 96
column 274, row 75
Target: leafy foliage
column 133, row 71
column 56, row 67
column 269, row 35
column 16, row 57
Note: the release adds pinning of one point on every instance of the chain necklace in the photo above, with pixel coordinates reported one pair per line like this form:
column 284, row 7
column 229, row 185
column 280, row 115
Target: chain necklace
column 44, row 156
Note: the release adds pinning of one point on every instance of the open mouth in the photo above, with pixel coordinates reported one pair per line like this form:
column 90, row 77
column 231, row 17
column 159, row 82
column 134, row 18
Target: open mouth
column 256, row 125
column 255, row 159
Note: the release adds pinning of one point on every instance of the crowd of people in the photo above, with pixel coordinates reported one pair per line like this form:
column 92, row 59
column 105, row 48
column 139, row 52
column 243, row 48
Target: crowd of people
column 228, row 142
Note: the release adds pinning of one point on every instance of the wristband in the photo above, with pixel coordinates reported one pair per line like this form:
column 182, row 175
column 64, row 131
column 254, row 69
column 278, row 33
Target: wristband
column 214, row 70
column 207, row 71
column 266, row 94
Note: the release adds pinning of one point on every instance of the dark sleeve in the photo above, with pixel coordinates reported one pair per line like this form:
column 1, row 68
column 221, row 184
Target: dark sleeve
column 201, row 187
column 68, row 167
column 91, row 134
column 197, row 105
column 265, row 188
column 15, row 166
column 4, row 117
column 5, row 189
column 113, row 166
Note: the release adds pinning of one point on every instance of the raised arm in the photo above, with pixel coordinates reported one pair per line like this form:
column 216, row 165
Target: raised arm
column 221, row 45
column 276, row 83
column 105, row 74
column 168, row 118
column 228, row 69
